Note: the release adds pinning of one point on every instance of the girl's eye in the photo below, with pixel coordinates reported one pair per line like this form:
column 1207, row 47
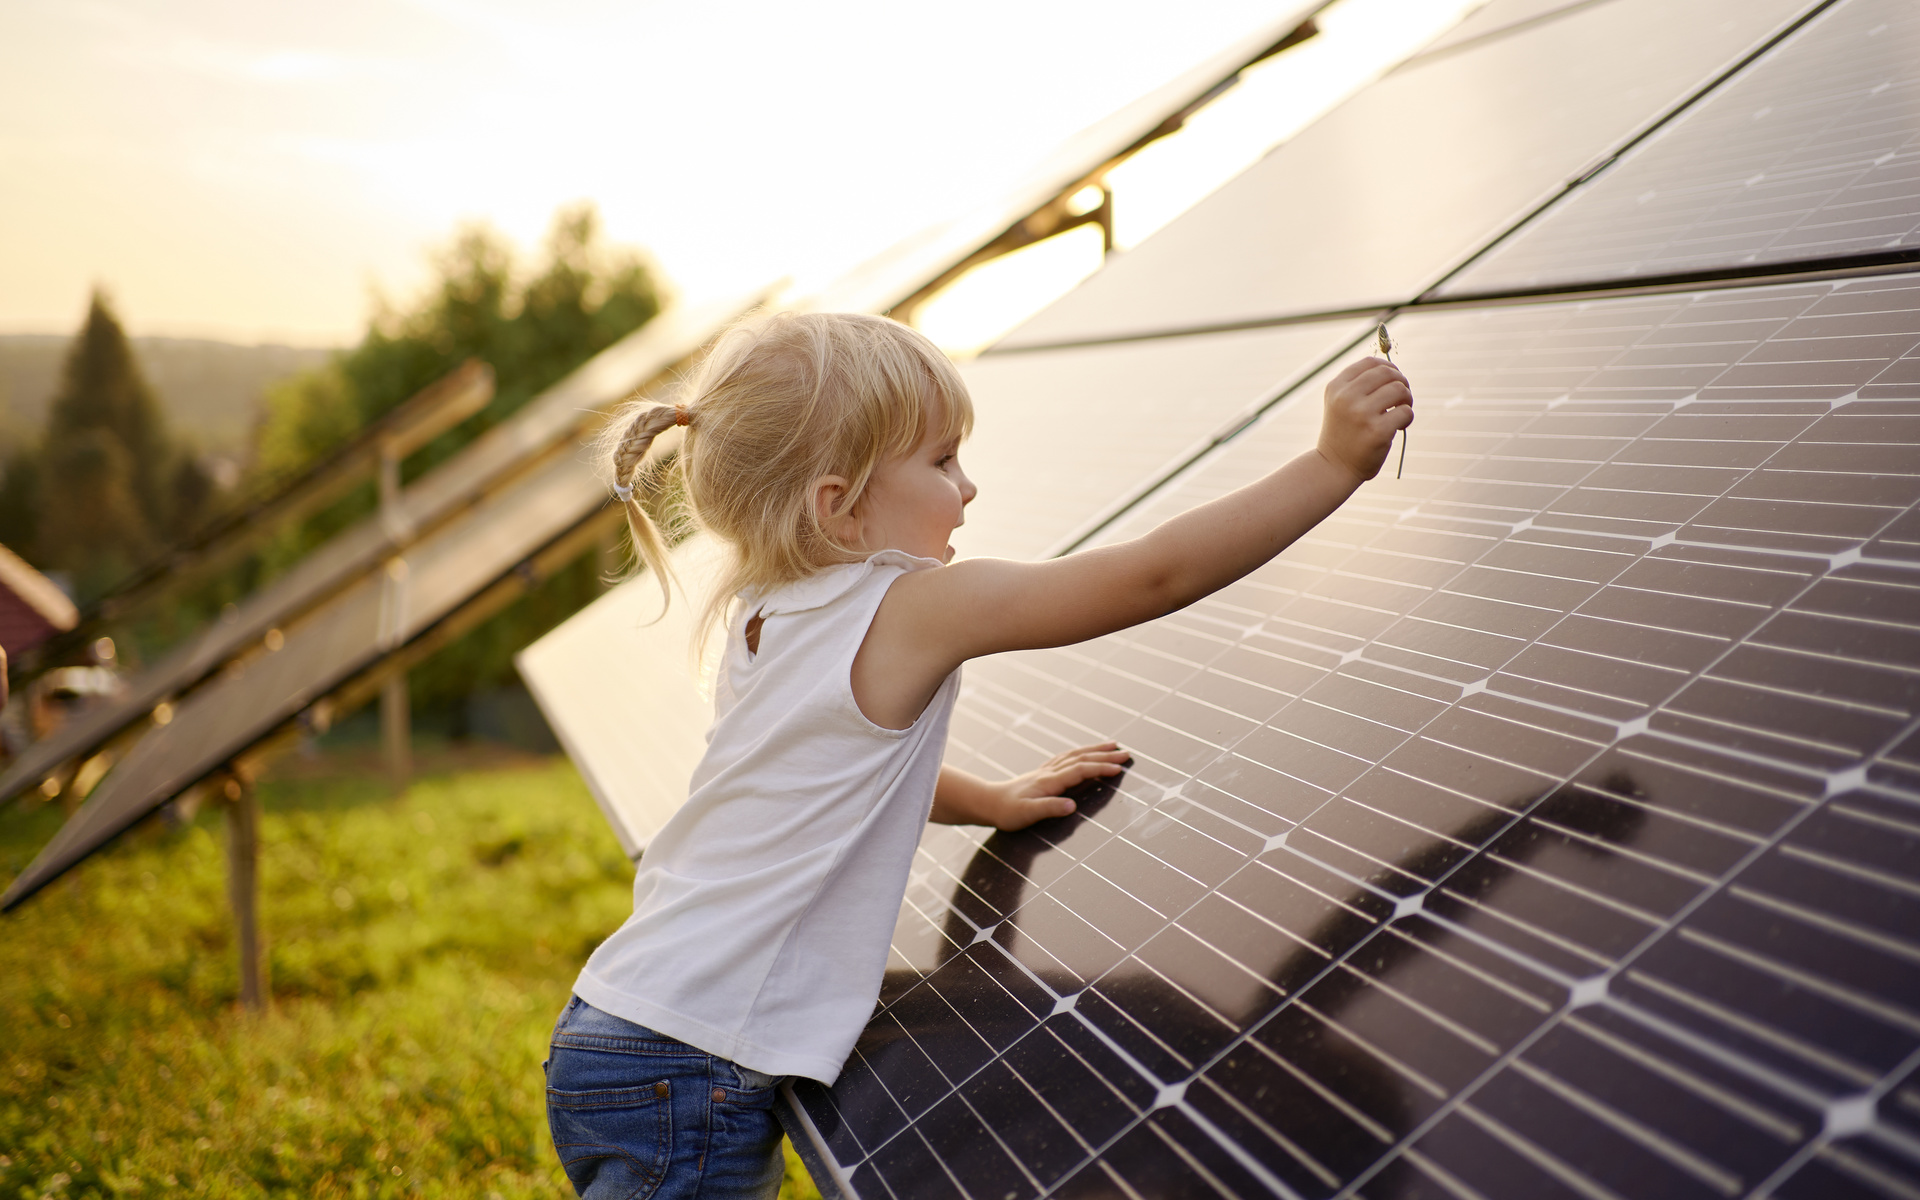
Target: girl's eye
column 943, row 460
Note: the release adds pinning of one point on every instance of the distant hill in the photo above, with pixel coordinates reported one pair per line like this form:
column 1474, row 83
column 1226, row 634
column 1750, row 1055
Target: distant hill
column 211, row 390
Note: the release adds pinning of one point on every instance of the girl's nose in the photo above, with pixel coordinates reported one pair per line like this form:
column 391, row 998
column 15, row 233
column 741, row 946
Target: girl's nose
column 967, row 490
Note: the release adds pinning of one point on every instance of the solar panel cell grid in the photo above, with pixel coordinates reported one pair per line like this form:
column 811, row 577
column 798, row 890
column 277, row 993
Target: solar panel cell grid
column 1812, row 153
column 1511, row 835
column 1330, row 221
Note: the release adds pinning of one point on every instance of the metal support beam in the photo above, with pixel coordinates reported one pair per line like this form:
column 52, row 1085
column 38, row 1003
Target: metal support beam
column 396, row 729
column 396, row 716
column 243, row 887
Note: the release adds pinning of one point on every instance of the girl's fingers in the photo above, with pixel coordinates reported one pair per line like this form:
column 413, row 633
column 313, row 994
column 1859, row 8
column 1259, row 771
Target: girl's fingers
column 1105, row 750
column 1393, row 419
column 1038, row 808
column 1355, row 369
column 1375, row 377
column 1066, row 777
column 1104, row 764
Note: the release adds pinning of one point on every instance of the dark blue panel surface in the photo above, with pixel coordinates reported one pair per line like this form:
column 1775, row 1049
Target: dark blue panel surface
column 1545, row 823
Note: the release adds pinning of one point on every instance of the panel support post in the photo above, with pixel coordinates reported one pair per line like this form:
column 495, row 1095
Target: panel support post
column 243, row 887
column 396, row 729
column 396, row 726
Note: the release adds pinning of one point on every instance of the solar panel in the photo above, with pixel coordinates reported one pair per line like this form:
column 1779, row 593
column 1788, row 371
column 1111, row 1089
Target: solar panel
column 1812, row 153
column 1384, row 195
column 381, row 613
column 551, row 420
column 1546, row 823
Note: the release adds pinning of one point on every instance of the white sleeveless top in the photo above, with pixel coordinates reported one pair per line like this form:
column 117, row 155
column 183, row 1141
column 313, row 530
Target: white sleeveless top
column 763, row 910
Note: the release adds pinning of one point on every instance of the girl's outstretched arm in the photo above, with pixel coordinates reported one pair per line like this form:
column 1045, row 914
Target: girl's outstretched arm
column 932, row 621
column 1009, row 804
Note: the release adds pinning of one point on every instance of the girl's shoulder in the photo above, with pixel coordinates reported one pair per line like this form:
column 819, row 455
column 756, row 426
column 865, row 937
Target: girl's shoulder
column 825, row 586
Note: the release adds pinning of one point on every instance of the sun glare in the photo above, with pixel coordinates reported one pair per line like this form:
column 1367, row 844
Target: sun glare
column 1359, row 39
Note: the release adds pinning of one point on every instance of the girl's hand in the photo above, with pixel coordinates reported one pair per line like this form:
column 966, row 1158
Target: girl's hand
column 1010, row 804
column 1366, row 405
column 1035, row 796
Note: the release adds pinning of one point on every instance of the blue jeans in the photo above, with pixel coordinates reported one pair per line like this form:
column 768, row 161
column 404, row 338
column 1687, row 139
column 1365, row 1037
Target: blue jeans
column 637, row 1115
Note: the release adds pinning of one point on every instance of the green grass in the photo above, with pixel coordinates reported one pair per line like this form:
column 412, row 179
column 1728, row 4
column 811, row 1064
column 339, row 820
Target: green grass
column 420, row 948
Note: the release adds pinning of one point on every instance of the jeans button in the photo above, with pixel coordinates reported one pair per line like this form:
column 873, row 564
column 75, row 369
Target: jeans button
column 719, row 1094
column 660, row 1089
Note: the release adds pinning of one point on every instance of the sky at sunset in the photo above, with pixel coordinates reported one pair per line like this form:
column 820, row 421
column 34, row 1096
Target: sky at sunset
column 259, row 171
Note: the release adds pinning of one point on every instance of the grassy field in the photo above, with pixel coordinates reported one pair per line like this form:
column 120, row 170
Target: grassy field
column 420, row 947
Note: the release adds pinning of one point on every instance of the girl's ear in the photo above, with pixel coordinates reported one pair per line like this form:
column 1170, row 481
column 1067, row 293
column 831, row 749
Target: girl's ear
column 829, row 499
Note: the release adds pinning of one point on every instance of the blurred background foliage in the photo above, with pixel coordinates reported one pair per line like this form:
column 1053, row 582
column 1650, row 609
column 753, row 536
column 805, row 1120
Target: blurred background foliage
column 109, row 484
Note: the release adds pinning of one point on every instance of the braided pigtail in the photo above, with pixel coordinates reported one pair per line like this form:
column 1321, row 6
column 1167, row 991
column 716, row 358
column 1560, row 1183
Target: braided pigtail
column 629, row 436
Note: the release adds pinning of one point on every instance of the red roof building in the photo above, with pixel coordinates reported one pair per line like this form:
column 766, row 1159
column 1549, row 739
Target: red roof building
column 32, row 607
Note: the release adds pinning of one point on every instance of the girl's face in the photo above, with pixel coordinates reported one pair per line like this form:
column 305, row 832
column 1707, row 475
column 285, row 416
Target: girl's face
column 914, row 502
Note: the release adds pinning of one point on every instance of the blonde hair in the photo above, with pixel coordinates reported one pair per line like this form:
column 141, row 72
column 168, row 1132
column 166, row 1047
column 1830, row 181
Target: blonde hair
column 778, row 402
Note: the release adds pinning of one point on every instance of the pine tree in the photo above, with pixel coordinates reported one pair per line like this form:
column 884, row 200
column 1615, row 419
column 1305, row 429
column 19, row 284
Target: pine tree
column 20, row 501
column 105, row 467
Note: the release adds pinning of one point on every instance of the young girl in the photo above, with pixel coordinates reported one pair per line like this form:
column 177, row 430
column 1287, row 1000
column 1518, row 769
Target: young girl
column 822, row 450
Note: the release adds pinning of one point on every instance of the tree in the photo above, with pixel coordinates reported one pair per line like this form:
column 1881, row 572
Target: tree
column 20, row 502
column 106, row 466
column 533, row 328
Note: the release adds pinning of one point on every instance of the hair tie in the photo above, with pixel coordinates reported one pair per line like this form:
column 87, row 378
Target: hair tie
column 624, row 492
column 681, row 416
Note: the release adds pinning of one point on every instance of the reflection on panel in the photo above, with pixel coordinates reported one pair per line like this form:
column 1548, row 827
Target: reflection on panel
column 1381, row 197
column 1811, row 153
column 559, row 414
column 1546, row 823
column 1063, row 436
column 352, row 631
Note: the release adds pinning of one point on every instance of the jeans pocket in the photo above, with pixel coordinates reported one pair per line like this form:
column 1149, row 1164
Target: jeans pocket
column 614, row 1142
